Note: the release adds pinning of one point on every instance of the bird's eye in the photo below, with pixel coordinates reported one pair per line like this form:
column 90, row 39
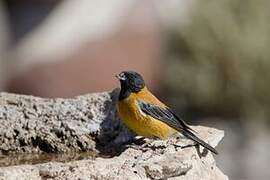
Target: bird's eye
column 121, row 76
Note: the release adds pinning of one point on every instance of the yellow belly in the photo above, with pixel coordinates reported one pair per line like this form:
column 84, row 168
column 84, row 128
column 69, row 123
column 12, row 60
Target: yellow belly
column 140, row 123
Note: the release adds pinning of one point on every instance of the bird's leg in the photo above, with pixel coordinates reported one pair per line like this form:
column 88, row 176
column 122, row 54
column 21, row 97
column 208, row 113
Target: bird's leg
column 141, row 143
column 155, row 144
column 134, row 143
column 148, row 142
column 139, row 140
column 145, row 144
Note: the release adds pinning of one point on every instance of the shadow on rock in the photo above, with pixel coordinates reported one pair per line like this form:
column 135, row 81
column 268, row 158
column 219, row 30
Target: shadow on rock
column 113, row 135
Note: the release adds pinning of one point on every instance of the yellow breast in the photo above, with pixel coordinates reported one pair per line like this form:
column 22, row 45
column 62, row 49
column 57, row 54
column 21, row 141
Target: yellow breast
column 139, row 122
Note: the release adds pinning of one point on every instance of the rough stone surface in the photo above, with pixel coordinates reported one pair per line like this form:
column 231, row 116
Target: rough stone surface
column 89, row 123
column 31, row 124
column 168, row 159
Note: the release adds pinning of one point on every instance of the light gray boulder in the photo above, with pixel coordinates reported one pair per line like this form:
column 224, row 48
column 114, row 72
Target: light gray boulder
column 32, row 125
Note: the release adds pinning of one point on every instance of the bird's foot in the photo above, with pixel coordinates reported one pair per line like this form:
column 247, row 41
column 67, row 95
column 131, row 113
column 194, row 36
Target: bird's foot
column 137, row 143
column 154, row 143
column 145, row 144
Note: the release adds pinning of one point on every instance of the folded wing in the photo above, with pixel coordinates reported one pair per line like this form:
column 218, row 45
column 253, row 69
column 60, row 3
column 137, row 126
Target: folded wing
column 166, row 115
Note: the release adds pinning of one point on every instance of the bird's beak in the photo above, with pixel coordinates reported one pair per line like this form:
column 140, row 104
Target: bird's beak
column 120, row 77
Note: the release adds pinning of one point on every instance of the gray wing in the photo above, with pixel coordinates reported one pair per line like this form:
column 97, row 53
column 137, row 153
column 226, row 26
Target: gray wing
column 167, row 116
column 164, row 114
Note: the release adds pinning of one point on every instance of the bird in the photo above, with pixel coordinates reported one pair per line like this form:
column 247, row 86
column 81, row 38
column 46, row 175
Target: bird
column 146, row 115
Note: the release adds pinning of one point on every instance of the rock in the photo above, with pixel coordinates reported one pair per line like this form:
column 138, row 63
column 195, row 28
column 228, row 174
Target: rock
column 89, row 123
column 25, row 172
column 160, row 160
column 31, row 124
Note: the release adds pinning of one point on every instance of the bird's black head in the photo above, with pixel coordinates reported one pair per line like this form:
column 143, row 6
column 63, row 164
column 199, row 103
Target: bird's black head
column 131, row 82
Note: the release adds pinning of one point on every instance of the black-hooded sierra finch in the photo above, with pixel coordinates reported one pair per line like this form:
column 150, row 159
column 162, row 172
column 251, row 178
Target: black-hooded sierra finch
column 144, row 114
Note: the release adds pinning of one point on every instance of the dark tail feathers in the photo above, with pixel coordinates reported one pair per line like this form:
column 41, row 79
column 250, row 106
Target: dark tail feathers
column 193, row 137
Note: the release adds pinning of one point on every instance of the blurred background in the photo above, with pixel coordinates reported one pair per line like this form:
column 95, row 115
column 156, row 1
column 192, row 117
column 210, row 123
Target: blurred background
column 209, row 60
